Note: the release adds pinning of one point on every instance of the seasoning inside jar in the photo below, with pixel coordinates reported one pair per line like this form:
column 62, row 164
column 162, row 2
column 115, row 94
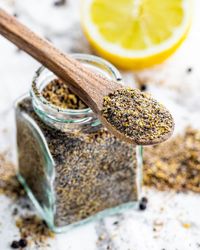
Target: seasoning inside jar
column 58, row 93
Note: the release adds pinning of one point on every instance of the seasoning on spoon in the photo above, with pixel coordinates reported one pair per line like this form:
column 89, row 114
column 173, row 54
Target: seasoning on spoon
column 137, row 115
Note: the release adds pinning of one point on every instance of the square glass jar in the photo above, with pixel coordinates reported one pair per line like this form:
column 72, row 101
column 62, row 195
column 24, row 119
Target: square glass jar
column 72, row 168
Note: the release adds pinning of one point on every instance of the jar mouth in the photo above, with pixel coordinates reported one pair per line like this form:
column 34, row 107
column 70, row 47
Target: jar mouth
column 36, row 91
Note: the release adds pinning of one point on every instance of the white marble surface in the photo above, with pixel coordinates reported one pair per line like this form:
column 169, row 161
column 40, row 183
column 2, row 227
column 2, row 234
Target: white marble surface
column 169, row 82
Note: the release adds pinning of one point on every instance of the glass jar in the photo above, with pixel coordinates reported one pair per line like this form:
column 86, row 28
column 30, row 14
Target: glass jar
column 72, row 168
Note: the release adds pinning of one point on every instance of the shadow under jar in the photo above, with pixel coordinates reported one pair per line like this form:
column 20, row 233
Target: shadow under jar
column 72, row 168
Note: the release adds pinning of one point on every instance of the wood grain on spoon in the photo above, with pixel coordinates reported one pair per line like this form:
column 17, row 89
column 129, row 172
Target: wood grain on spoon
column 90, row 87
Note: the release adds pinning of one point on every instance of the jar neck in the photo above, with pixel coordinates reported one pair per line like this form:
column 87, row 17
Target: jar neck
column 59, row 117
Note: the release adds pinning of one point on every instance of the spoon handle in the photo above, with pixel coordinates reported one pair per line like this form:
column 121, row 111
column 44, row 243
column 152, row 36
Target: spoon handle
column 35, row 46
column 82, row 81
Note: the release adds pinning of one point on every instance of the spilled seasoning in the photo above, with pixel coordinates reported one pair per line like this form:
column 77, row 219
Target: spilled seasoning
column 33, row 231
column 174, row 164
column 9, row 184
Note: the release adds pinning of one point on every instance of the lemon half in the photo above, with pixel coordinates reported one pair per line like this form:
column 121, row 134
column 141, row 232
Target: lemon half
column 134, row 34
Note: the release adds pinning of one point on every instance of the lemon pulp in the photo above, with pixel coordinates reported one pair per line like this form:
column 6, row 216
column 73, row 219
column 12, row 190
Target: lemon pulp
column 136, row 33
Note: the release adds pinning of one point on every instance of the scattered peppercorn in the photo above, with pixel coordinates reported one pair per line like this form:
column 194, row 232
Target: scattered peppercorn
column 15, row 14
column 23, row 243
column 44, row 222
column 116, row 223
column 15, row 244
column 19, row 244
column 142, row 205
column 26, row 206
column 189, row 70
column 15, row 211
column 144, row 200
column 59, row 3
column 143, row 87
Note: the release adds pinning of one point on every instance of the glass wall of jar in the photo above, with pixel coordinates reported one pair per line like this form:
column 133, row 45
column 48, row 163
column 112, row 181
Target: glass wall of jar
column 72, row 168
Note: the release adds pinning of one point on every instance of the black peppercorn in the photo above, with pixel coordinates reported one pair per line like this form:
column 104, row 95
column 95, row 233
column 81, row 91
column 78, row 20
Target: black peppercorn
column 143, row 87
column 14, row 244
column 22, row 243
column 116, row 223
column 142, row 206
column 189, row 70
column 44, row 223
column 60, row 2
column 15, row 211
column 144, row 200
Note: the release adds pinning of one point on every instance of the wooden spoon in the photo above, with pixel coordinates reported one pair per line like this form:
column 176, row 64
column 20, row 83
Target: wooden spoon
column 90, row 87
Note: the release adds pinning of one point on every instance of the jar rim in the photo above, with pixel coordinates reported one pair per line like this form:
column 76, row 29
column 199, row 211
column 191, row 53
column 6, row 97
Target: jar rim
column 36, row 93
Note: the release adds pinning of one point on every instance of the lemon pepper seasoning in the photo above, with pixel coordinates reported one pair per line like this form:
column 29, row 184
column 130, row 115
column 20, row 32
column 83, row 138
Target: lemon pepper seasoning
column 58, row 93
column 174, row 164
column 137, row 115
